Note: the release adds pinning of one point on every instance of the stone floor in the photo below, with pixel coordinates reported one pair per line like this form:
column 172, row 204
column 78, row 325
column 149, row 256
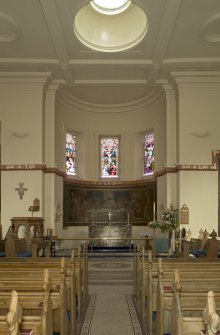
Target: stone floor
column 111, row 309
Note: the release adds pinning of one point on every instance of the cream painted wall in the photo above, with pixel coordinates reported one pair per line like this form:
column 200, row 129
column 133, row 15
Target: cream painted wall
column 57, row 225
column 11, row 204
column 199, row 120
column 21, row 114
column 199, row 191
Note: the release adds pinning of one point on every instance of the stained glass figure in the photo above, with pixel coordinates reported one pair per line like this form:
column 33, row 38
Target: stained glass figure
column 70, row 154
column 149, row 153
column 109, row 157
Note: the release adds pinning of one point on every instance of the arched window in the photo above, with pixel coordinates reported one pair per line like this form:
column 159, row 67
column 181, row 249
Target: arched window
column 148, row 148
column 109, row 157
column 71, row 154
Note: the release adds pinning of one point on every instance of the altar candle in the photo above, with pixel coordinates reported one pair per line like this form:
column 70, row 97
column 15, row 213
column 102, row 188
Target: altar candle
column 154, row 211
column 128, row 217
column 173, row 240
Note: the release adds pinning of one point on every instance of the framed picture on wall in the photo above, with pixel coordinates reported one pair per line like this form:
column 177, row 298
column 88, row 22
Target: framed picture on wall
column 87, row 205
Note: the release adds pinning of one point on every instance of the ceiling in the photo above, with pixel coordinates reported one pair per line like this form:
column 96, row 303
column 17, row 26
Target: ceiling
column 38, row 35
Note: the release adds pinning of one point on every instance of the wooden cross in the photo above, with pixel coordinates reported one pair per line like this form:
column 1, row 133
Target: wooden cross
column 21, row 190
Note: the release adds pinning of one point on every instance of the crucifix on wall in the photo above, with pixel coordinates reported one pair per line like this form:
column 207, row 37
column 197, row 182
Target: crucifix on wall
column 21, row 190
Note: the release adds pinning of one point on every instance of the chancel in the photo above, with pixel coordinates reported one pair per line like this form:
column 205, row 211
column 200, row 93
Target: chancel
column 109, row 160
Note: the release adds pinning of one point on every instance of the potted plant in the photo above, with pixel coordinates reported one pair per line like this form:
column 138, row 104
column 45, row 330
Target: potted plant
column 168, row 220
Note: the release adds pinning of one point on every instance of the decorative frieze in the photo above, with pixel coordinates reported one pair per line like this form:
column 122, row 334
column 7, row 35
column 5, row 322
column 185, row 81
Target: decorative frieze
column 166, row 170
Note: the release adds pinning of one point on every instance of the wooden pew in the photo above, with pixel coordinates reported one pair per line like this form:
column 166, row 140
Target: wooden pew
column 19, row 247
column 9, row 324
column 189, row 317
column 203, row 246
column 24, row 311
column 191, row 289
column 56, row 289
column 38, row 244
column 76, row 269
column 211, row 318
column 148, row 285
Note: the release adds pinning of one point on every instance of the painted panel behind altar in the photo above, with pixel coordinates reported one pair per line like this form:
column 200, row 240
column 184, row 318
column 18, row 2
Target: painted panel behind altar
column 87, row 205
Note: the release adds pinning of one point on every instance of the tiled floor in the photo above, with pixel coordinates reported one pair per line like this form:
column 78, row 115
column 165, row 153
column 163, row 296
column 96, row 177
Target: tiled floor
column 111, row 310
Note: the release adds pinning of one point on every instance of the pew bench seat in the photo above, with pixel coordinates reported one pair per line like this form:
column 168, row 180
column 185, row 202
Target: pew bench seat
column 29, row 325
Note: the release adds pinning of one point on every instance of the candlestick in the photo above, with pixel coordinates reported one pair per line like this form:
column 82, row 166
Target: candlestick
column 154, row 211
column 173, row 241
column 180, row 237
column 109, row 216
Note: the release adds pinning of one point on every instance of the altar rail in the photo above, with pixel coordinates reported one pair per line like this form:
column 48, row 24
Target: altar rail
column 58, row 244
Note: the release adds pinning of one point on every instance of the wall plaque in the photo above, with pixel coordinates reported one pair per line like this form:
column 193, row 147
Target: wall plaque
column 184, row 214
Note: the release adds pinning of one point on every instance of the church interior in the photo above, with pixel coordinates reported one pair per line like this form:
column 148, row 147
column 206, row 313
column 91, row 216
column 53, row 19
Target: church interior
column 109, row 152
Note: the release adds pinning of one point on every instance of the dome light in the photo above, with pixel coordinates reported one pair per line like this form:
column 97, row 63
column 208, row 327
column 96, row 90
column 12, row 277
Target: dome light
column 110, row 7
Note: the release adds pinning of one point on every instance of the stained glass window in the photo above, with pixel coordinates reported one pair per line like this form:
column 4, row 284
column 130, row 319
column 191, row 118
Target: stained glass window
column 109, row 157
column 148, row 153
column 70, row 154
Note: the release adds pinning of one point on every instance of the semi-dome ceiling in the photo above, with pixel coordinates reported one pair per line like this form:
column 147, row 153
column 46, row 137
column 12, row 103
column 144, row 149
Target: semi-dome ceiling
column 38, row 35
column 109, row 96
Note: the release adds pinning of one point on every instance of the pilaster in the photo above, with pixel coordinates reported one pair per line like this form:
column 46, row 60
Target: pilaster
column 53, row 194
column 21, row 103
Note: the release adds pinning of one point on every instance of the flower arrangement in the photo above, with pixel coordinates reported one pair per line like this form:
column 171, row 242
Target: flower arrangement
column 154, row 224
column 168, row 221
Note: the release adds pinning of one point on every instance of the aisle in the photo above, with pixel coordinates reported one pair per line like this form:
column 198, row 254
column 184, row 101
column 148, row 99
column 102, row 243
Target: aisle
column 111, row 310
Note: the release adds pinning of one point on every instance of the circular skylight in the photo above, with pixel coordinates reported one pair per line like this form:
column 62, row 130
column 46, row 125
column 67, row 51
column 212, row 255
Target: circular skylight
column 110, row 33
column 110, row 7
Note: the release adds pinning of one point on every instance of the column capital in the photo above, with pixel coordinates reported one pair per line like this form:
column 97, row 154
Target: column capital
column 196, row 77
column 55, row 84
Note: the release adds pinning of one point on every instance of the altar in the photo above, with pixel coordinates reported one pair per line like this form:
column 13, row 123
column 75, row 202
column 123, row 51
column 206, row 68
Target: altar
column 111, row 235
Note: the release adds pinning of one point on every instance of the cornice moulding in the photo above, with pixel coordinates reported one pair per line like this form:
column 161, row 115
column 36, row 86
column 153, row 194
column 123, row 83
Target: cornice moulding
column 195, row 61
column 24, row 77
column 111, row 81
column 121, row 62
column 200, row 77
column 29, row 61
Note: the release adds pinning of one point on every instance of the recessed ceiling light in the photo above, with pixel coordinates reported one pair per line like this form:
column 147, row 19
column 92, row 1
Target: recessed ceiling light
column 110, row 7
